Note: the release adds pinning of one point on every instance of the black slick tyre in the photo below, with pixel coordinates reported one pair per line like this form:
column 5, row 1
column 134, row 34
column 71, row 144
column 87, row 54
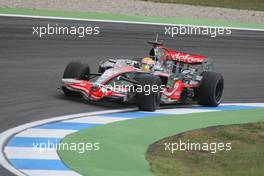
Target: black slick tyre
column 148, row 100
column 211, row 89
column 75, row 70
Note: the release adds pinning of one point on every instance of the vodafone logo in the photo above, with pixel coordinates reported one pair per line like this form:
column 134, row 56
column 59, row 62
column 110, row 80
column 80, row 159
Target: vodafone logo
column 182, row 57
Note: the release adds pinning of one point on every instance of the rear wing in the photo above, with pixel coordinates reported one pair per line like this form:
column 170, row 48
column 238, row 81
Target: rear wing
column 186, row 58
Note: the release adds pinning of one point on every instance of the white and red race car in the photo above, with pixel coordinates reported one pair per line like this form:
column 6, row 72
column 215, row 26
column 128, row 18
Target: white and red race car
column 165, row 77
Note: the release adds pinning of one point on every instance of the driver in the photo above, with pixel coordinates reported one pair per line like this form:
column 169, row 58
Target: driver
column 147, row 64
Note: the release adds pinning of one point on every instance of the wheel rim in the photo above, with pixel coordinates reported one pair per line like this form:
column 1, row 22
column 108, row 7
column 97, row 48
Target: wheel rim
column 219, row 91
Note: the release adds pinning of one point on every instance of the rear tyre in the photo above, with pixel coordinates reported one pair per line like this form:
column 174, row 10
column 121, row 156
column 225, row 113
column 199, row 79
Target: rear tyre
column 148, row 100
column 75, row 70
column 211, row 89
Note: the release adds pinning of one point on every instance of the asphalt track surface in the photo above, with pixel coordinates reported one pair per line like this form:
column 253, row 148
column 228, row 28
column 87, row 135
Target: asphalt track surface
column 31, row 67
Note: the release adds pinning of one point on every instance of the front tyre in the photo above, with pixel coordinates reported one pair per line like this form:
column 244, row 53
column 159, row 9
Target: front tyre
column 75, row 70
column 211, row 89
column 149, row 98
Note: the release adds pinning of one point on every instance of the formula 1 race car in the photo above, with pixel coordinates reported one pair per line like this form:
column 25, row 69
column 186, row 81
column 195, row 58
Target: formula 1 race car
column 164, row 77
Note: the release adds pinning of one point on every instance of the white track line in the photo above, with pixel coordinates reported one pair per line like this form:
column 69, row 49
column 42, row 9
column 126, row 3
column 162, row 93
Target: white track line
column 184, row 111
column 45, row 133
column 247, row 104
column 29, row 153
column 49, row 173
column 121, row 21
column 97, row 119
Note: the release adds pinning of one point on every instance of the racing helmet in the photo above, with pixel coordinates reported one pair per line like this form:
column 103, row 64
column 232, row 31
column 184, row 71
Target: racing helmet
column 147, row 64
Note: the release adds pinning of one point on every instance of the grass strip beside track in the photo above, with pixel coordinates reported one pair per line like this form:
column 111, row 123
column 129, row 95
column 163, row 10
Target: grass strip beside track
column 123, row 144
column 122, row 17
column 234, row 4
column 246, row 156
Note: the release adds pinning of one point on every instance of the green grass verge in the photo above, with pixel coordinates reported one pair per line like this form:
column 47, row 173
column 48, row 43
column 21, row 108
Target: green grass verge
column 234, row 4
column 123, row 144
column 246, row 156
column 121, row 17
